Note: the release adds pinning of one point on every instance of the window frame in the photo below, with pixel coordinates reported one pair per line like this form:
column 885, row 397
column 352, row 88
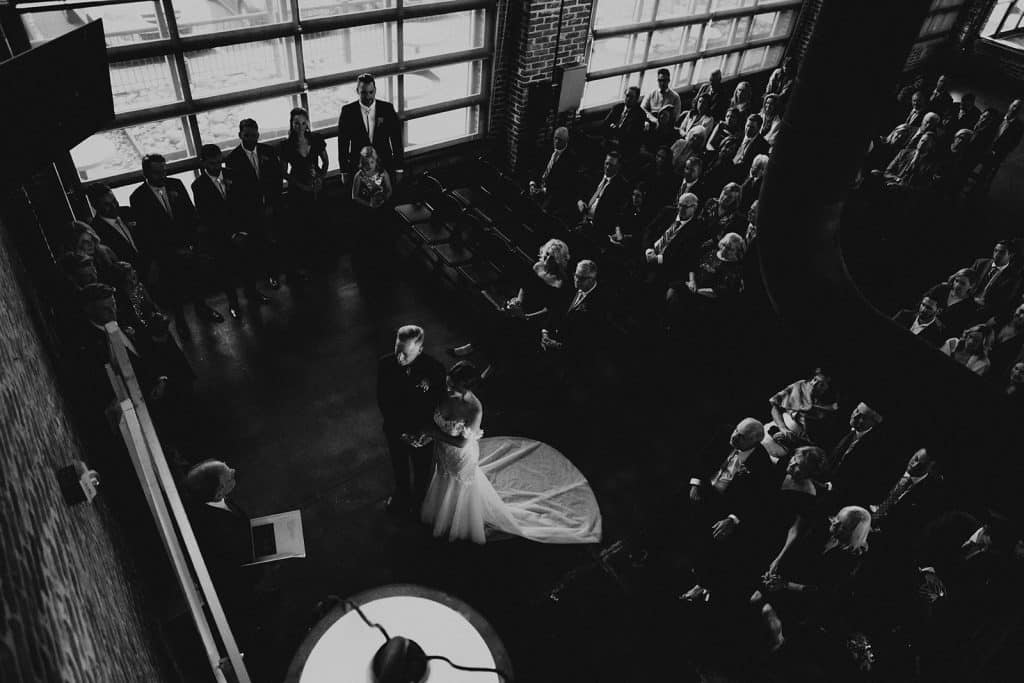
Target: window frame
column 1000, row 32
column 648, row 28
column 176, row 46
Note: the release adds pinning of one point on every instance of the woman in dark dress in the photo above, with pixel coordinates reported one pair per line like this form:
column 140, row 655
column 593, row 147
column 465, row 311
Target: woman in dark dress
column 815, row 576
column 956, row 299
column 304, row 158
column 795, row 508
column 663, row 181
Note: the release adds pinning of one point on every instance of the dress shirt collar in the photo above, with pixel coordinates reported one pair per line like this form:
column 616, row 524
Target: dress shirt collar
column 219, row 504
column 371, row 110
column 915, row 480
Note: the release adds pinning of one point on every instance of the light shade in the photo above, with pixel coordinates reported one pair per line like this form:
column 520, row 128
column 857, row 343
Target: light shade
column 341, row 647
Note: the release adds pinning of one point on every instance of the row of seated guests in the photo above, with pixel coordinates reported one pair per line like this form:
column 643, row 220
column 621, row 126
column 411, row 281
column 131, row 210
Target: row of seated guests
column 780, row 528
column 977, row 315
column 937, row 145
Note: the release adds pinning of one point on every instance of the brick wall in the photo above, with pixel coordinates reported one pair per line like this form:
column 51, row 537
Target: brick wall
column 67, row 609
column 527, row 59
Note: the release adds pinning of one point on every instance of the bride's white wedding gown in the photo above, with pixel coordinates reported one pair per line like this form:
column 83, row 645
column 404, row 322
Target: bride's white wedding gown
column 508, row 485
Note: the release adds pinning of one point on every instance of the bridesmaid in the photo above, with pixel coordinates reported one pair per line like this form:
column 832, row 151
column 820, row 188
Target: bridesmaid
column 304, row 158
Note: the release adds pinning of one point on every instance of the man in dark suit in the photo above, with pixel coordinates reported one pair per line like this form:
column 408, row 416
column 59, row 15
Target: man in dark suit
column 230, row 245
column 924, row 323
column 114, row 231
column 576, row 331
column 752, row 144
column 861, row 465
column 166, row 221
column 410, row 385
column 727, row 490
column 254, row 180
column 998, row 279
column 1008, row 136
column 369, row 122
column 694, row 180
column 915, row 499
column 715, row 92
column 965, row 114
column 671, row 244
column 623, row 126
column 554, row 186
column 940, row 101
column 600, row 210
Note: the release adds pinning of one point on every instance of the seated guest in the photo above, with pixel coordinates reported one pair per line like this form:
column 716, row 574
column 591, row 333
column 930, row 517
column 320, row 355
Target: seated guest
column 718, row 277
column 805, row 406
column 693, row 178
column 969, row 350
column 663, row 181
column 743, row 101
column 860, row 466
column 78, row 269
column 965, row 114
column 924, row 323
column 699, row 115
column 1007, row 341
column 167, row 235
column 1014, row 388
column 985, row 131
column 661, row 106
column 670, row 251
column 113, row 230
column 731, row 126
column 634, row 218
column 940, row 101
column 822, row 583
column 721, row 171
column 915, row 499
column 1007, row 137
column 231, row 247
column 751, row 188
column 955, row 167
column 714, row 90
column 136, row 309
column 999, row 281
column 82, row 239
column 724, row 215
column 688, row 147
column 601, row 210
column 771, row 119
column 958, row 309
column 727, row 496
column 752, row 145
column 882, row 152
column 751, row 234
column 623, row 127
column 918, row 104
column 781, row 81
column 930, row 123
column 914, row 168
column 554, row 187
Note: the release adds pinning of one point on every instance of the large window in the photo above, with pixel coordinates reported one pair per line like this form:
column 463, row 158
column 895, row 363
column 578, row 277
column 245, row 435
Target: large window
column 1006, row 21
column 632, row 39
column 184, row 72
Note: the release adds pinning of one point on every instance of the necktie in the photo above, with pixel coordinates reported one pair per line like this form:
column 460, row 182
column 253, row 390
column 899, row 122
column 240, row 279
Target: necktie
column 161, row 193
column 577, row 300
column 725, row 474
column 551, row 164
column 625, row 113
column 851, row 442
column 254, row 160
column 220, row 185
column 666, row 239
column 993, row 274
column 123, row 229
column 368, row 120
column 911, row 117
column 592, row 204
column 901, row 487
column 738, row 159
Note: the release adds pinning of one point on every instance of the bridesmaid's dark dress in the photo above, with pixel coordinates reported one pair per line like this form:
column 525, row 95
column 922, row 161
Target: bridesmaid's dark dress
column 303, row 230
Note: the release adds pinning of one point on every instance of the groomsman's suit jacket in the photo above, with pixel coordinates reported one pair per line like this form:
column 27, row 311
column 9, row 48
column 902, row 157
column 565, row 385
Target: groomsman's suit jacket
column 214, row 211
column 112, row 237
column 160, row 234
column 250, row 196
column 353, row 136
column 407, row 396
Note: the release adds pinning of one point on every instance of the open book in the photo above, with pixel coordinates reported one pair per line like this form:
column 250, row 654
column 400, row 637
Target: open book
column 277, row 537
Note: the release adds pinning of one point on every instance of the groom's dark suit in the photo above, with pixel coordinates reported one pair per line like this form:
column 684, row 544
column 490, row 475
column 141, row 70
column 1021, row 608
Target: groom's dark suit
column 407, row 397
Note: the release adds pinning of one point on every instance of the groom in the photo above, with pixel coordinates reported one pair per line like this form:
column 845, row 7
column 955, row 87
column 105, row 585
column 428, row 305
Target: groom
column 410, row 385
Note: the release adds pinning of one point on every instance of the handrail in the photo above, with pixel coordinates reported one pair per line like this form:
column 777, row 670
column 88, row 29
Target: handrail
column 165, row 504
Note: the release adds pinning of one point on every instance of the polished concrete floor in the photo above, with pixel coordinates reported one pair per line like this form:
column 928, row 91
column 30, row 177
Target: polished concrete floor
column 287, row 395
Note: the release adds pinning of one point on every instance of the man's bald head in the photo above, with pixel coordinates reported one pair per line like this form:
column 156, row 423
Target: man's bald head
column 748, row 433
column 561, row 137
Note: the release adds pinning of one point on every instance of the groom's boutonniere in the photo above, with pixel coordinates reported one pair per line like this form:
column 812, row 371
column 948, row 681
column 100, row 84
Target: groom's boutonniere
column 424, row 385
column 380, row 122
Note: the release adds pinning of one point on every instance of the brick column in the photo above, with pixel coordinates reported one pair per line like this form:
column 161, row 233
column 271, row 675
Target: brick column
column 524, row 67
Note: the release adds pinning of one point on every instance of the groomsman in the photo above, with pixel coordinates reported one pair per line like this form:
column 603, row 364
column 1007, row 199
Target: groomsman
column 228, row 241
column 410, row 385
column 255, row 180
column 114, row 231
column 369, row 122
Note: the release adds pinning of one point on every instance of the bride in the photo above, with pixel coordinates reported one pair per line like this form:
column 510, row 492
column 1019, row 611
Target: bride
column 504, row 485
